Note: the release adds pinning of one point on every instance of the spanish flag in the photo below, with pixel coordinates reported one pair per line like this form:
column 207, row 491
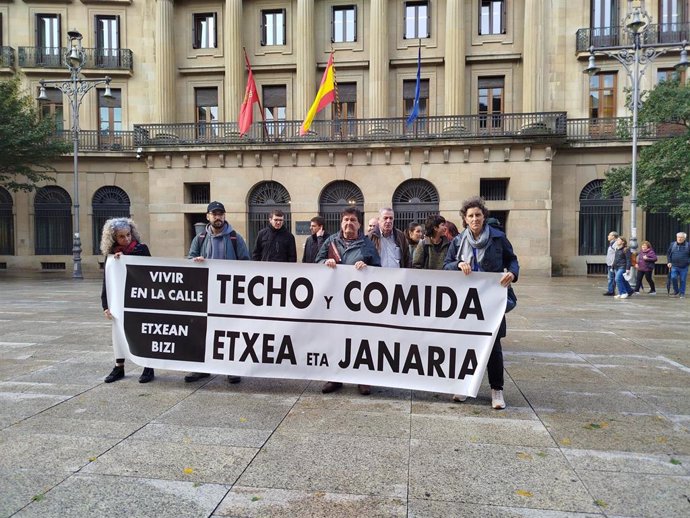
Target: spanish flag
column 324, row 97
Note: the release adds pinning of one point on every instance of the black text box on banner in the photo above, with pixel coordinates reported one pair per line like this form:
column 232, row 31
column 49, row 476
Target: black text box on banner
column 168, row 337
column 166, row 288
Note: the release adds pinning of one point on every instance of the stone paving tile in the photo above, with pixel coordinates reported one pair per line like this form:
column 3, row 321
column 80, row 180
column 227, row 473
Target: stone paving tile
column 43, row 424
column 511, row 476
column 182, row 461
column 617, row 432
column 282, row 387
column 246, row 411
column 15, row 369
column 126, row 497
column 371, row 424
column 117, row 402
column 333, row 463
column 339, row 401
column 565, row 372
column 668, row 400
column 77, row 371
column 248, row 502
column 460, row 430
column 49, row 452
column 210, row 435
column 18, row 487
column 640, row 495
column 436, row 509
column 653, row 375
column 625, row 462
column 552, row 396
column 22, row 405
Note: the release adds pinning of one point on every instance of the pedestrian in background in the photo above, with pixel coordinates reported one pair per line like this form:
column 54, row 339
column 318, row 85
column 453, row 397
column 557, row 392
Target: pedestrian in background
column 646, row 260
column 678, row 257
column 622, row 262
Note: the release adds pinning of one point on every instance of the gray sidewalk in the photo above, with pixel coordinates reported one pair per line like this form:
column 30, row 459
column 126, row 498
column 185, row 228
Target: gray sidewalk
column 597, row 424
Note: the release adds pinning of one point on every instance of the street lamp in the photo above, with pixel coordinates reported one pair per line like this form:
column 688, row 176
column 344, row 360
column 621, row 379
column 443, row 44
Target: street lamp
column 75, row 89
column 635, row 58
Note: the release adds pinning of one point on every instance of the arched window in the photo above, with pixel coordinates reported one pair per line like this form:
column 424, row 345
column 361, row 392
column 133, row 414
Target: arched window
column 598, row 217
column 414, row 200
column 6, row 223
column 108, row 202
column 335, row 197
column 53, row 217
column 263, row 199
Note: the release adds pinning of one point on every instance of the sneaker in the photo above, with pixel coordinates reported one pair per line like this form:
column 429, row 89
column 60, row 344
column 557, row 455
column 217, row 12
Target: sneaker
column 459, row 398
column 624, row 296
column 234, row 379
column 497, row 401
column 146, row 375
column 652, row 293
column 634, row 293
column 195, row 376
column 616, row 296
column 117, row 373
column 681, row 296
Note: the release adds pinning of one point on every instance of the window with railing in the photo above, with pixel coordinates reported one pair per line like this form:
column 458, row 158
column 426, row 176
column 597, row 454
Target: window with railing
column 52, row 107
column 345, row 108
column 206, row 103
column 6, row 223
column 273, row 27
column 198, row 193
column 108, row 202
column 344, row 24
column 490, row 95
column 409, row 91
column 673, row 18
column 492, row 17
column 107, row 41
column 49, row 52
column 275, row 108
column 493, row 189
column 416, row 20
column 53, row 221
column 602, row 103
column 204, row 33
column 599, row 215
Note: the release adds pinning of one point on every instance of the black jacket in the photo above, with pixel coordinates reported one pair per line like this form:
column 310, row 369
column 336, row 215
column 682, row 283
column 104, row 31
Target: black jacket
column 140, row 249
column 276, row 246
column 312, row 247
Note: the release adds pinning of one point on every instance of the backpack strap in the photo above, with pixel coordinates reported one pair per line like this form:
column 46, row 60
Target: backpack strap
column 233, row 240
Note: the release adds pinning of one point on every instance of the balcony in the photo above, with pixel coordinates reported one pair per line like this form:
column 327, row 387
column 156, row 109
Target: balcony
column 617, row 129
column 531, row 126
column 94, row 140
column 668, row 33
column 6, row 57
column 54, row 57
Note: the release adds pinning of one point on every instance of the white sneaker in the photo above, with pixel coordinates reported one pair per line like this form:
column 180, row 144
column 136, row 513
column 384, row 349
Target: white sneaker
column 497, row 401
column 459, row 398
column 624, row 296
column 616, row 296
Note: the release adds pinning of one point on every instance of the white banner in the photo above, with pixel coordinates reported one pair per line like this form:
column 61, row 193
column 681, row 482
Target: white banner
column 414, row 329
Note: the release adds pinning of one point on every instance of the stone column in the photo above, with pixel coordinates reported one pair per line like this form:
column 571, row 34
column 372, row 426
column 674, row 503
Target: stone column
column 454, row 87
column 165, row 62
column 378, row 59
column 235, row 75
column 533, row 58
column 305, row 50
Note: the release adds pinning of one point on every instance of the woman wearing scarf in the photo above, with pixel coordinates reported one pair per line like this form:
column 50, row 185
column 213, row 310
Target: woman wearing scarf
column 120, row 236
column 483, row 248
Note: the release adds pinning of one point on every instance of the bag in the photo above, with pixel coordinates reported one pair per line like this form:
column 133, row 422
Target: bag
column 628, row 276
column 511, row 300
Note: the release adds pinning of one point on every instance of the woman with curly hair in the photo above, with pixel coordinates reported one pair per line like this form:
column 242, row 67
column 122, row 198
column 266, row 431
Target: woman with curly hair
column 483, row 248
column 120, row 236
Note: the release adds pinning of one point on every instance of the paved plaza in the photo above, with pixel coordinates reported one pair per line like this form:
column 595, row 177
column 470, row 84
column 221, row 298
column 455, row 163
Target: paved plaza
column 597, row 424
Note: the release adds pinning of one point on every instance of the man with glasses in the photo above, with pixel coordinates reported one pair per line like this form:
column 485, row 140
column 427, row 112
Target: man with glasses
column 218, row 241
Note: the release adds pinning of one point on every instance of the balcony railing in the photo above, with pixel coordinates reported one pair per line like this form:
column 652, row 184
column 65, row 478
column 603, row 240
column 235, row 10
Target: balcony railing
column 6, row 57
column 490, row 126
column 619, row 128
column 54, row 57
column 94, row 140
column 168, row 135
column 666, row 33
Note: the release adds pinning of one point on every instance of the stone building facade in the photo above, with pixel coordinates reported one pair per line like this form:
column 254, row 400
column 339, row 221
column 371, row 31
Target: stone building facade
column 506, row 112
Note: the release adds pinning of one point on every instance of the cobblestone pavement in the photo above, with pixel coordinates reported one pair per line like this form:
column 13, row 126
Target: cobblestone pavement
column 596, row 425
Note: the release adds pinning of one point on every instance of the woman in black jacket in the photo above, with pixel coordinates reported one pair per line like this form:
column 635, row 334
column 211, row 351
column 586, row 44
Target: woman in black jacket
column 622, row 262
column 120, row 236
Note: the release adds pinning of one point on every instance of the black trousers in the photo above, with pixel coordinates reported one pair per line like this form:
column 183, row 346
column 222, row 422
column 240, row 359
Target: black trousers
column 646, row 275
column 495, row 366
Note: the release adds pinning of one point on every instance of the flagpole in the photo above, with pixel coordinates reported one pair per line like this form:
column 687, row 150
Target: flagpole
column 258, row 100
column 337, row 98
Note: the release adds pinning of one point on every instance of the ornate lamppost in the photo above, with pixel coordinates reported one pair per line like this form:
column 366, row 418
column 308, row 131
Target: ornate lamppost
column 635, row 58
column 75, row 89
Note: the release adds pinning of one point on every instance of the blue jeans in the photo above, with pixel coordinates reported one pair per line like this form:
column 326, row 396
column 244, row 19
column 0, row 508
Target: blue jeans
column 679, row 274
column 612, row 281
column 622, row 284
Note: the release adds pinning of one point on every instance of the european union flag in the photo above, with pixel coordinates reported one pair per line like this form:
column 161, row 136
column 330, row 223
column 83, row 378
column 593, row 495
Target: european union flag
column 415, row 107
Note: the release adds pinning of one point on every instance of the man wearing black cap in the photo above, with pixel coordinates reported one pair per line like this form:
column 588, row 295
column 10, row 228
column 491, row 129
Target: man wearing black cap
column 217, row 241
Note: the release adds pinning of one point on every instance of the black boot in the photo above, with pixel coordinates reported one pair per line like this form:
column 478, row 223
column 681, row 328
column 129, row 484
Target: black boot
column 117, row 373
column 146, row 375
